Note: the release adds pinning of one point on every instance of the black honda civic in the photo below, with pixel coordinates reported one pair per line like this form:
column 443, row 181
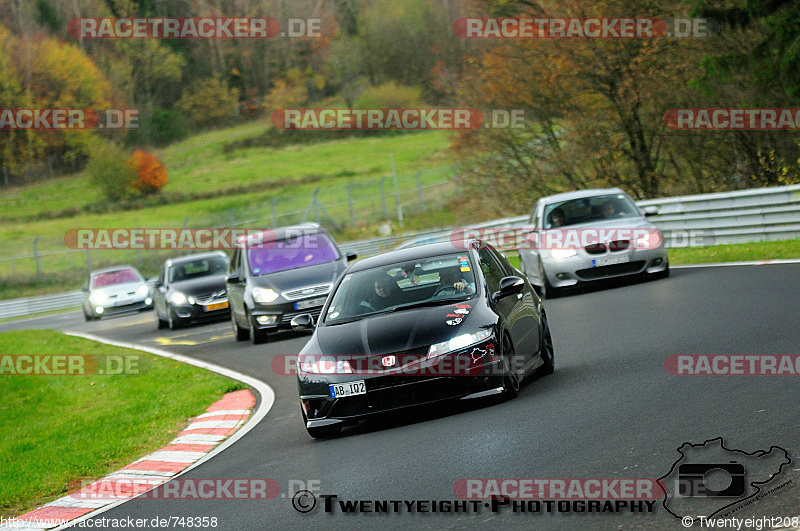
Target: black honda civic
column 420, row 325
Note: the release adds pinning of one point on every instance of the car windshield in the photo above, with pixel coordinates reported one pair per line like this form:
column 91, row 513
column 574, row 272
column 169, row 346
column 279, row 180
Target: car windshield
column 434, row 280
column 201, row 267
column 299, row 251
column 588, row 209
column 120, row 276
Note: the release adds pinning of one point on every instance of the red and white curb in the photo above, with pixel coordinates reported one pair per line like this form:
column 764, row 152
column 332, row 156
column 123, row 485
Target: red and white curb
column 223, row 423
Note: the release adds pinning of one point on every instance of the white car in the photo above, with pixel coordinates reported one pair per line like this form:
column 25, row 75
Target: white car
column 115, row 290
column 621, row 241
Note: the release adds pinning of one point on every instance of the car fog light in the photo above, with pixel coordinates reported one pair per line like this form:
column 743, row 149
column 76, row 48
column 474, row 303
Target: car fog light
column 99, row 310
column 267, row 319
column 148, row 301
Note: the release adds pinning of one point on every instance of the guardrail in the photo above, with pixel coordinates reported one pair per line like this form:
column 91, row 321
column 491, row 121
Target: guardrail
column 43, row 303
column 706, row 219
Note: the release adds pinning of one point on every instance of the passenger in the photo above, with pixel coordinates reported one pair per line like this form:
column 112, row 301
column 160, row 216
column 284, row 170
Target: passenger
column 557, row 218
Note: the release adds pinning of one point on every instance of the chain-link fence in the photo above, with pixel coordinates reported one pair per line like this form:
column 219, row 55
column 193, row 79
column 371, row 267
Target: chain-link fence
column 338, row 208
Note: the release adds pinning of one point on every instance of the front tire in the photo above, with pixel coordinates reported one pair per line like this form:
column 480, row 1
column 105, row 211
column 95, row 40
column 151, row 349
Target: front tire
column 241, row 334
column 258, row 337
column 172, row 322
column 547, row 352
column 510, row 379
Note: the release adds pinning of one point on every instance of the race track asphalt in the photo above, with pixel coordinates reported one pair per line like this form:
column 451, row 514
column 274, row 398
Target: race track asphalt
column 610, row 410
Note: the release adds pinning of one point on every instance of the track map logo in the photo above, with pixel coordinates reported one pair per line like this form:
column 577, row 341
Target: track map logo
column 709, row 478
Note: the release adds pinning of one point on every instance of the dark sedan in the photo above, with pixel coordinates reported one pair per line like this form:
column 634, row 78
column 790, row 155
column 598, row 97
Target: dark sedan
column 277, row 274
column 416, row 326
column 191, row 289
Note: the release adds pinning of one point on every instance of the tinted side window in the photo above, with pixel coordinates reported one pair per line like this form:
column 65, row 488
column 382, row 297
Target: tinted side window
column 492, row 271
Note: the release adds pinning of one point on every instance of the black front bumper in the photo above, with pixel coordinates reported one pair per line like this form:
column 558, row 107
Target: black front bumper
column 390, row 393
column 284, row 313
column 197, row 313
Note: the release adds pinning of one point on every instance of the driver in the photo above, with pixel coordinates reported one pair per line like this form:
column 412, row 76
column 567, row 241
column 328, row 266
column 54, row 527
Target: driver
column 450, row 281
column 608, row 210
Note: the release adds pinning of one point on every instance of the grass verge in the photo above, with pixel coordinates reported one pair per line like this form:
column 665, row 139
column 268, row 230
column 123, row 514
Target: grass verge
column 60, row 429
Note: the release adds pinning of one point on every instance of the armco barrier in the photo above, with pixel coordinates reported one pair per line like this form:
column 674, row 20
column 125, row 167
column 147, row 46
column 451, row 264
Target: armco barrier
column 710, row 219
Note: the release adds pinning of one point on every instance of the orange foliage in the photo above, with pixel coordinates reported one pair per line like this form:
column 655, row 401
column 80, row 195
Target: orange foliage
column 151, row 174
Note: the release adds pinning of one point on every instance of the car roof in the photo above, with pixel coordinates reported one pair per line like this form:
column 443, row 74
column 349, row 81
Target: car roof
column 190, row 257
column 114, row 268
column 411, row 253
column 578, row 194
column 279, row 233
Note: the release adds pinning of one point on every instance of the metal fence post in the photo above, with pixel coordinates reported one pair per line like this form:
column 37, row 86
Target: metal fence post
column 274, row 213
column 230, row 216
column 419, row 191
column 350, row 204
column 88, row 261
column 315, row 201
column 139, row 257
column 36, row 258
column 383, row 199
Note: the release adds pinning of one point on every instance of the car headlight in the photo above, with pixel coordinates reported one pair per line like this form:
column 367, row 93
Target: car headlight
column 177, row 298
column 98, row 298
column 458, row 342
column 325, row 366
column 142, row 290
column 264, row 294
column 560, row 254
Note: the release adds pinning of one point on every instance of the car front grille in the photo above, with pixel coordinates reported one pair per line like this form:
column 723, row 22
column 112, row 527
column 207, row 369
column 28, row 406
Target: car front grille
column 596, row 248
column 205, row 298
column 307, row 291
column 594, row 273
column 287, row 317
column 619, row 245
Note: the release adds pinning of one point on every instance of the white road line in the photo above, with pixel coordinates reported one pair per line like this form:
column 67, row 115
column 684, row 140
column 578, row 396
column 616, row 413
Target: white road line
column 266, row 393
column 735, row 264
column 197, row 438
column 224, row 412
column 212, row 424
column 173, row 457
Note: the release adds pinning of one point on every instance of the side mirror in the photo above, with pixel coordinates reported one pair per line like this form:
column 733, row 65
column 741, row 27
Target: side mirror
column 233, row 278
column 351, row 256
column 509, row 286
column 303, row 323
column 651, row 210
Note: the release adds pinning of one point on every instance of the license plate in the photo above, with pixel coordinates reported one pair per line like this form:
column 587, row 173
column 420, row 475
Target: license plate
column 310, row 303
column 611, row 260
column 215, row 306
column 348, row 389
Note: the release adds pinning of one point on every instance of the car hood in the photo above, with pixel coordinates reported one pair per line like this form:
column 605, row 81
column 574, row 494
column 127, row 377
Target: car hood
column 200, row 286
column 404, row 331
column 291, row 279
column 619, row 223
column 119, row 289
